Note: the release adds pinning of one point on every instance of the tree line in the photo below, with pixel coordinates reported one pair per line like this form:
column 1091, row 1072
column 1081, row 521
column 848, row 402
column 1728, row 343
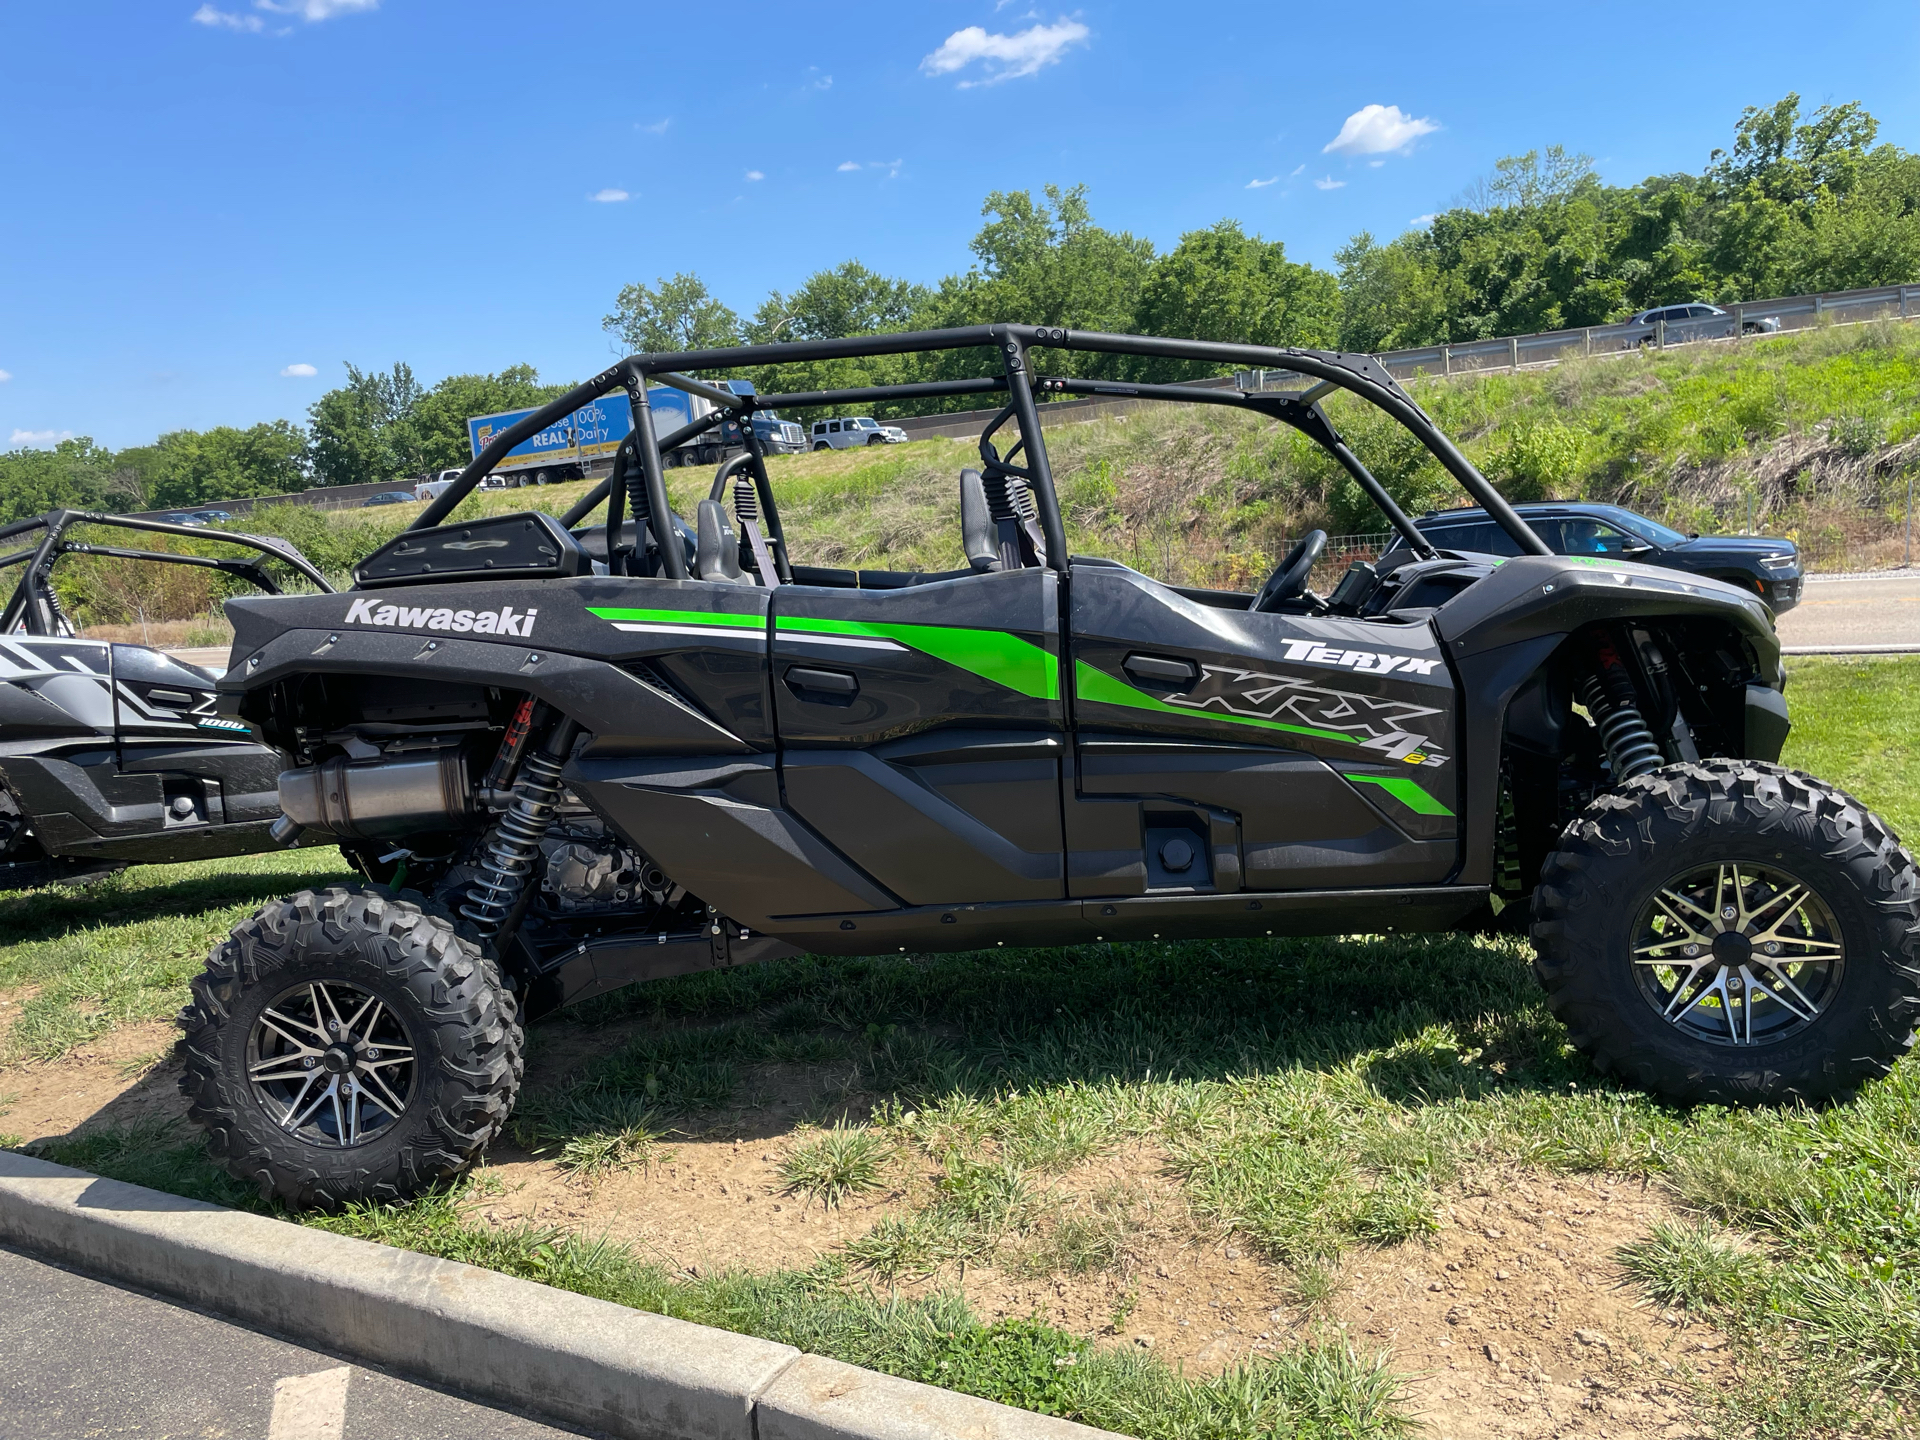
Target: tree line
column 1798, row 203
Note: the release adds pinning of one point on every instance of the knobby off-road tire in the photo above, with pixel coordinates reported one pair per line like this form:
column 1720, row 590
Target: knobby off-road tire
column 1610, row 911
column 320, row 956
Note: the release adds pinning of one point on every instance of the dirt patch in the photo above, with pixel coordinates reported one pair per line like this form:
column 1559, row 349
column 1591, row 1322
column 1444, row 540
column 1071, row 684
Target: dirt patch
column 1516, row 1322
column 125, row 1076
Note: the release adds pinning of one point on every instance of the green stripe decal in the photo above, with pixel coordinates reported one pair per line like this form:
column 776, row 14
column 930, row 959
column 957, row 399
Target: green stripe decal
column 1103, row 689
column 1406, row 792
column 991, row 654
column 678, row 617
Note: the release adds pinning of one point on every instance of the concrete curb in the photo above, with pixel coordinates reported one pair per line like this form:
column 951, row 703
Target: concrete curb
column 547, row 1352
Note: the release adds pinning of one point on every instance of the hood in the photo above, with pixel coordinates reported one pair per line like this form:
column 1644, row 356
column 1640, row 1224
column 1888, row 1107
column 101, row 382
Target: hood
column 1735, row 545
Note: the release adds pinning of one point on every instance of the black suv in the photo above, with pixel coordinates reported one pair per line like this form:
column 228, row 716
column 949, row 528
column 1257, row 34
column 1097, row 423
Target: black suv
column 1760, row 564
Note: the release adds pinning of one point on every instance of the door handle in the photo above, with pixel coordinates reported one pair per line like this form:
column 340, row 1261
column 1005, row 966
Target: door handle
column 831, row 687
column 1162, row 671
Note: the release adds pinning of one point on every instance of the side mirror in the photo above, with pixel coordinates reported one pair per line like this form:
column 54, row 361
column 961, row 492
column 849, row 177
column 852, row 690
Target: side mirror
column 1636, row 550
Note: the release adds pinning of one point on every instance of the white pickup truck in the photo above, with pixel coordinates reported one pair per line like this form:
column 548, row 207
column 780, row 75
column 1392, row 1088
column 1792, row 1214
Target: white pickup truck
column 430, row 486
column 857, row 430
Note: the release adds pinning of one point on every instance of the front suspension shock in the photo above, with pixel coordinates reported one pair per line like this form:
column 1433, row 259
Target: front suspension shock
column 1608, row 693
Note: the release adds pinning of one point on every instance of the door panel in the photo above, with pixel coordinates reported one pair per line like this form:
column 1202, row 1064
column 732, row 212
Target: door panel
column 1326, row 742
column 922, row 731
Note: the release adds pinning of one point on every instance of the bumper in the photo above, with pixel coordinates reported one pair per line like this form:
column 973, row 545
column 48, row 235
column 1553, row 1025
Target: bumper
column 1782, row 595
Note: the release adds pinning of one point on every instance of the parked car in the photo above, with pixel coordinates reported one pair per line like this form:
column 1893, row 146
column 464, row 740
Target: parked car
column 1762, row 565
column 390, row 497
column 858, row 430
column 185, row 517
column 1696, row 321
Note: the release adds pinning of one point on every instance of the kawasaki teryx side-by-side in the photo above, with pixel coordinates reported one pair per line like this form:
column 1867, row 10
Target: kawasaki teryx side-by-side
column 570, row 756
column 113, row 754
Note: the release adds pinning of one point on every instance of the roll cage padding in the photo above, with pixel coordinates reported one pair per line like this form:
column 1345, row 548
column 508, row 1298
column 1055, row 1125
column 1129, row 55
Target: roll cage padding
column 1359, row 375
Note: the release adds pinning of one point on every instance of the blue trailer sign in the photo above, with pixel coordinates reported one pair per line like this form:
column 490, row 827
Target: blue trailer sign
column 593, row 432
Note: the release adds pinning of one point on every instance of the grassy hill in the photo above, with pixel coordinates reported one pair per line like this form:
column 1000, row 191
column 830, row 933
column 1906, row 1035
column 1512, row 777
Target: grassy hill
column 1811, row 435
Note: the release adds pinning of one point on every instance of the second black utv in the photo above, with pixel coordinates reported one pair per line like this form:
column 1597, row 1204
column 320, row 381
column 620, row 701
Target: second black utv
column 569, row 756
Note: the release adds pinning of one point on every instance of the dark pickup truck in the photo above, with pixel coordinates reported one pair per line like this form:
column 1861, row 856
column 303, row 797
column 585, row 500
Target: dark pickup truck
column 1762, row 565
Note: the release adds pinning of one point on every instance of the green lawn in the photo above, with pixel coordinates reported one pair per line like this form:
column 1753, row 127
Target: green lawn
column 1313, row 1097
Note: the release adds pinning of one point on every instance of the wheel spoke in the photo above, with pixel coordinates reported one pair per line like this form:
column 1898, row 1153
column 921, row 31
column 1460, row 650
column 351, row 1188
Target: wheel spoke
column 274, row 1021
column 281, row 1067
column 389, row 1055
column 1667, row 899
column 339, row 1115
column 349, row 1028
column 1792, row 895
column 1800, row 1004
column 353, row 1112
column 383, row 1097
column 295, row 1117
column 1681, row 992
column 320, row 993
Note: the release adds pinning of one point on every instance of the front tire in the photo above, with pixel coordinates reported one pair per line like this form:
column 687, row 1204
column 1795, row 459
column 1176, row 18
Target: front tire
column 345, row 1045
column 1732, row 932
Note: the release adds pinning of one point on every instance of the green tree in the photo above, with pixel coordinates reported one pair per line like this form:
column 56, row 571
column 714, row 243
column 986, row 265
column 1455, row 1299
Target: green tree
column 437, row 425
column 75, row 474
column 1223, row 284
column 847, row 300
column 194, row 467
column 680, row 314
column 364, row 433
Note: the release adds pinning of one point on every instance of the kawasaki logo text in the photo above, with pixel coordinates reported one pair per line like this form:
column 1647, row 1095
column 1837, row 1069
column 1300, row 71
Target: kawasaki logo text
column 424, row 617
column 1367, row 661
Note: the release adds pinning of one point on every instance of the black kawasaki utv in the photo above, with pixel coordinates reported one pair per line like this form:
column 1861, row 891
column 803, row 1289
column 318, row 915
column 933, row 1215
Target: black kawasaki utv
column 113, row 754
column 568, row 757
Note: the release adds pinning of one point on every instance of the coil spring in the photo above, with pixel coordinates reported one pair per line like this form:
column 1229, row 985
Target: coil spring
column 511, row 850
column 1629, row 743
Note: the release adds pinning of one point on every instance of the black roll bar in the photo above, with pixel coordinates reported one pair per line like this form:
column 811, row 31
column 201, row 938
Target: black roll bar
column 1358, row 374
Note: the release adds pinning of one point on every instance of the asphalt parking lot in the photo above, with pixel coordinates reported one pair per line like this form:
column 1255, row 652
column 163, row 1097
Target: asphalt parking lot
column 82, row 1357
column 1855, row 612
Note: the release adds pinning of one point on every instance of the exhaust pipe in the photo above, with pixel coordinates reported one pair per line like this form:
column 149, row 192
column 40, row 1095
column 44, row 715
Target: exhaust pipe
column 375, row 799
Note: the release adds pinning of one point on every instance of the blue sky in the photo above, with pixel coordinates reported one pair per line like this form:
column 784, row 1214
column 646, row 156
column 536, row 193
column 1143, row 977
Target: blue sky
column 210, row 206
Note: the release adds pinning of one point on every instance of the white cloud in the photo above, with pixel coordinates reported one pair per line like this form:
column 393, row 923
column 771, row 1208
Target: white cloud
column 313, row 11
column 1376, row 129
column 299, row 372
column 1297, row 170
column 755, row 175
column 659, row 127
column 1329, row 184
column 207, row 15
column 1426, row 219
column 5, row 375
column 1375, row 164
column 39, row 439
column 609, row 196
column 846, row 165
column 1005, row 57
column 818, row 81
column 1262, row 184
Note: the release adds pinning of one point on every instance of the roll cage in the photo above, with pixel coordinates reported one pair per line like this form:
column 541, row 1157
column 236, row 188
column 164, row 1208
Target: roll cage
column 34, row 608
column 638, row 481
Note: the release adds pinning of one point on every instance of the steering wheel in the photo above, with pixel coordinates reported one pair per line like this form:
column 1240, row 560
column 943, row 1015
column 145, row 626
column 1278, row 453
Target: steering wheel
column 1289, row 582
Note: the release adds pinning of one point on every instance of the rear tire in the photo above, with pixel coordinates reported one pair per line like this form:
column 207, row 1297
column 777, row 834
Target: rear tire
column 1612, row 927
column 819, row 446
column 375, row 996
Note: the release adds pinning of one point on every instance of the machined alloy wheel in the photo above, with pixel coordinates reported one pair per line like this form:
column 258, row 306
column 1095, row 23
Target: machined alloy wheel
column 348, row 1045
column 1732, row 931
column 331, row 1063
column 1738, row 954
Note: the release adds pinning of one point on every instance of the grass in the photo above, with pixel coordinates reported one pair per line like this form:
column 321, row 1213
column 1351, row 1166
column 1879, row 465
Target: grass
column 846, row 1160
column 1311, row 1098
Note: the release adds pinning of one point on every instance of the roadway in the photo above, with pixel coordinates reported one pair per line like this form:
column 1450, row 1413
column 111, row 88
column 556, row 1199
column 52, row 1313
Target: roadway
column 79, row 1357
column 1854, row 613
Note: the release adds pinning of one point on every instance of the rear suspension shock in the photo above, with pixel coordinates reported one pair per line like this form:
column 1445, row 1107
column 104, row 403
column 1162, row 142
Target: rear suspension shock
column 1607, row 691
column 496, row 895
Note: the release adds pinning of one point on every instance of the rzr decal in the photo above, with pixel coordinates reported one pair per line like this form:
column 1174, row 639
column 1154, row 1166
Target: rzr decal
column 1369, row 722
